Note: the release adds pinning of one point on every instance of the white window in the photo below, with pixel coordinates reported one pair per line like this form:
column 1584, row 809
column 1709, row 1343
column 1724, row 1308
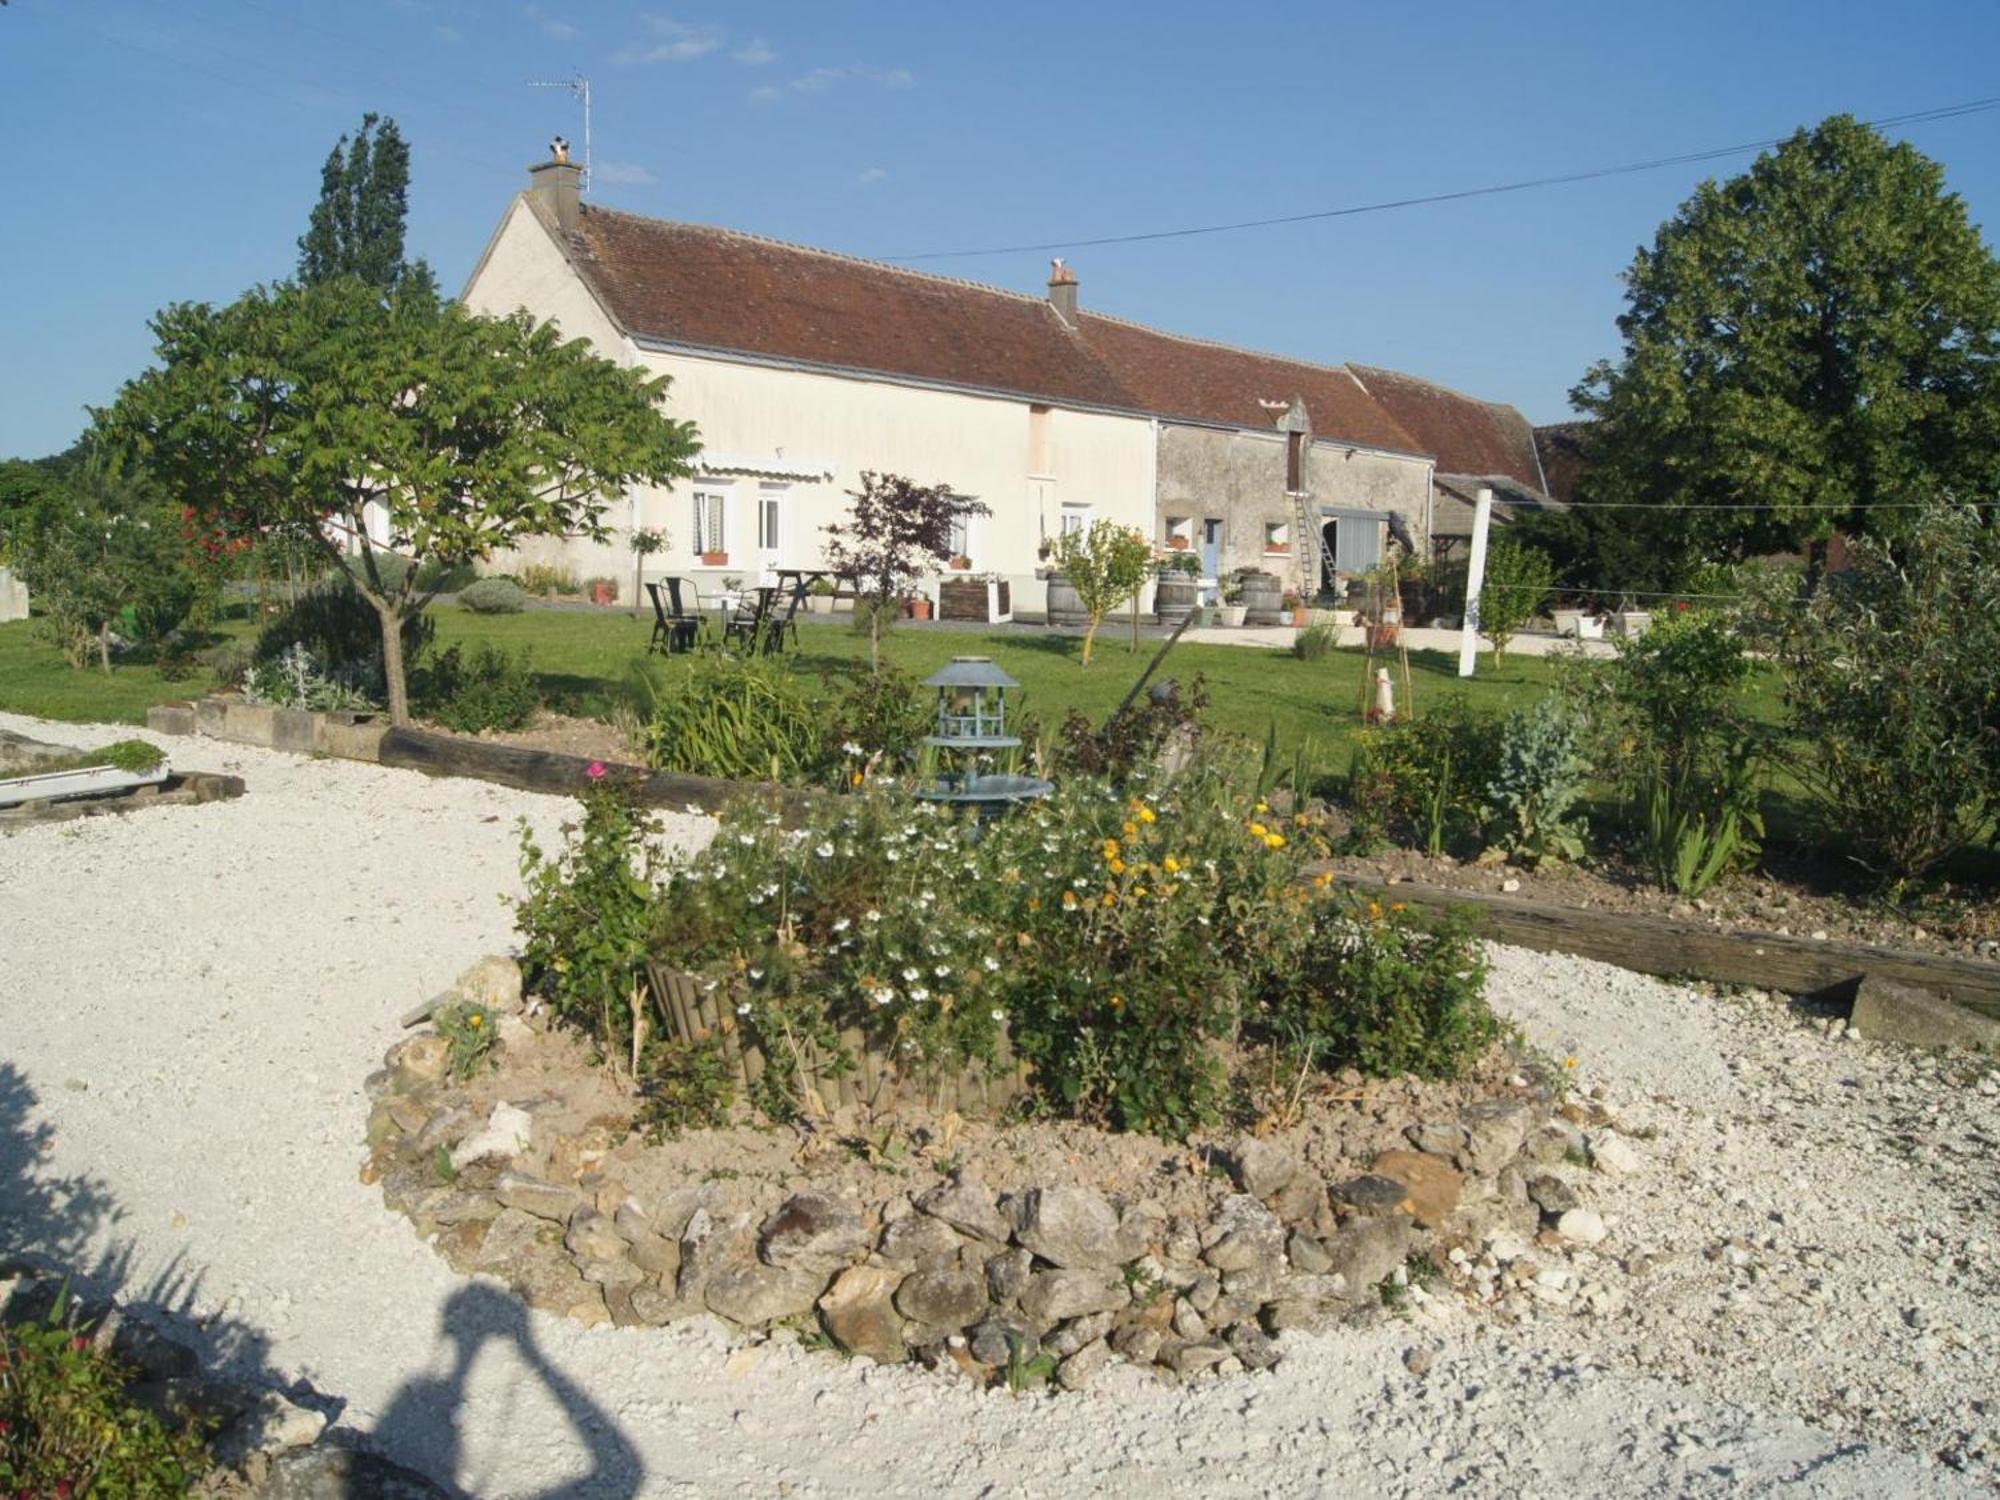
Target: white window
column 768, row 496
column 961, row 538
column 1277, row 537
column 1075, row 517
column 708, row 532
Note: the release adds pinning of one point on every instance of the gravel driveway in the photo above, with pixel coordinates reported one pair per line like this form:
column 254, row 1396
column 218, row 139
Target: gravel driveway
column 190, row 998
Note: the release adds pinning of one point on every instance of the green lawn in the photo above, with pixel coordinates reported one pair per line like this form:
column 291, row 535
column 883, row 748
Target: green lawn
column 581, row 657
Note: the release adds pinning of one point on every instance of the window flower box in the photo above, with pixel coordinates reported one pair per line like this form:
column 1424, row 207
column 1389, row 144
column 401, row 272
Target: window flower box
column 715, row 559
column 961, row 565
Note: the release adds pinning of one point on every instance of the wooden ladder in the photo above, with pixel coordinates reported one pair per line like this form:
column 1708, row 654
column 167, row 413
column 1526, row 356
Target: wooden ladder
column 1305, row 544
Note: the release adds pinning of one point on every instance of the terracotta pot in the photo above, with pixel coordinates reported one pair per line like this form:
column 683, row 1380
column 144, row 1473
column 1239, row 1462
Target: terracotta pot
column 919, row 608
column 604, row 593
column 1178, row 543
column 715, row 559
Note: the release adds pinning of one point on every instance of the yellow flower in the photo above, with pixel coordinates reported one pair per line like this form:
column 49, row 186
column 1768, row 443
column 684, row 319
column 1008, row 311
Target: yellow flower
column 1323, row 879
column 1138, row 890
column 1111, row 848
column 1274, row 841
column 1118, row 1003
column 1034, row 903
column 1263, row 807
column 1171, row 865
column 1110, row 898
column 1069, row 900
column 1117, row 867
column 1398, row 906
column 1569, row 1062
column 1375, row 910
column 1259, row 829
column 1147, row 815
column 857, row 778
column 1131, row 829
column 475, row 1019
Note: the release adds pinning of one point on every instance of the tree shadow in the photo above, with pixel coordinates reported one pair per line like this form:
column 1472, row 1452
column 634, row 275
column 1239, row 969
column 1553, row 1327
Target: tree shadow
column 421, row 1423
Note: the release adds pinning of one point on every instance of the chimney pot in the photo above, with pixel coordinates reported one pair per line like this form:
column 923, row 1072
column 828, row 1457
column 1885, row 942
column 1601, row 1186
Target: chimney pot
column 1063, row 291
column 558, row 184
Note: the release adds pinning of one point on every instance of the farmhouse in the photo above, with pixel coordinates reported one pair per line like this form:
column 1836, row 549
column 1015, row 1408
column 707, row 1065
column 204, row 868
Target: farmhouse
column 802, row 368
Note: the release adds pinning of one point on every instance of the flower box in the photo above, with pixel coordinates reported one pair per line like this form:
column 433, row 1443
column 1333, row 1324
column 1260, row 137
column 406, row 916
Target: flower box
column 961, row 565
column 1230, row 616
column 987, row 601
column 1632, row 623
column 1178, row 543
column 715, row 559
column 918, row 608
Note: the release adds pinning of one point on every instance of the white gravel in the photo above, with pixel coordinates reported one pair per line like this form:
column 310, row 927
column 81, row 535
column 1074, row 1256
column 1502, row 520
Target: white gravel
column 192, row 997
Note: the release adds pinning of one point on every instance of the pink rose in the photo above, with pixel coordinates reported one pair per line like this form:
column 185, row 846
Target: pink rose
column 595, row 770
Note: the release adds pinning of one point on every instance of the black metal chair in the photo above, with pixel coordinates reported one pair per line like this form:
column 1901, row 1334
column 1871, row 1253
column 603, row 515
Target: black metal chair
column 676, row 621
column 787, row 624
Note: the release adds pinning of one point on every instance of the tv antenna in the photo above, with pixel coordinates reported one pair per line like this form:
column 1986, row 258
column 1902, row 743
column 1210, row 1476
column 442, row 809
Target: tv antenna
column 579, row 86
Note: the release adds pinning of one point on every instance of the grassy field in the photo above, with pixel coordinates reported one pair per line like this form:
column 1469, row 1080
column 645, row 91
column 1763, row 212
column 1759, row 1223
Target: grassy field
column 583, row 656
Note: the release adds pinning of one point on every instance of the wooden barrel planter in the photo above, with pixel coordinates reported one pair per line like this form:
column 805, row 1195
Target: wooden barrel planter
column 1263, row 599
column 876, row 1083
column 1065, row 605
column 1174, row 597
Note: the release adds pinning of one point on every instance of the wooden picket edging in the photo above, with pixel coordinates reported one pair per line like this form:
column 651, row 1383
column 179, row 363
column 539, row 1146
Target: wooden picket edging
column 875, row 1084
column 1676, row 949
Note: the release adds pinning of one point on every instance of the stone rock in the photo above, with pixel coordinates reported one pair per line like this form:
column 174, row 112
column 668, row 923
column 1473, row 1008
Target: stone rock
column 1582, row 1225
column 1495, row 1131
column 1260, row 1167
column 1553, row 1141
column 612, row 1275
column 1552, row 1195
column 1613, row 1155
column 493, row 982
column 447, row 1127
column 1071, row 1227
column 463, row 1207
column 1203, row 1291
column 1300, row 1201
column 1885, row 1011
column 1310, row 1315
column 859, row 1312
column 1251, row 1235
column 1138, row 1343
column 1183, row 1241
column 1084, row 1366
column 531, row 1195
column 504, row 1137
column 813, row 1232
column 1188, row 1323
column 948, row 1299
column 919, row 1240
column 671, row 1217
column 1307, row 1254
column 712, row 1245
column 1251, row 1286
column 512, row 1235
column 966, row 1206
column 1367, row 1251
column 1140, row 1228
column 756, row 1294
column 1192, row 1359
column 651, row 1305
column 993, row 1341
column 269, row 1425
column 653, row 1252
column 422, row 1059
column 1372, row 1193
column 1055, row 1296
column 1418, row 1361
column 593, row 1236
column 1437, row 1137
column 1248, row 1343
column 327, row 1472
column 1007, row 1275
column 1074, row 1334
column 1432, row 1187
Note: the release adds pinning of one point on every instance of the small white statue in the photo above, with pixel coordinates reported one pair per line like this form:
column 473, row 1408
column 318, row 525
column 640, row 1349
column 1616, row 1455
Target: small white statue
column 1385, row 695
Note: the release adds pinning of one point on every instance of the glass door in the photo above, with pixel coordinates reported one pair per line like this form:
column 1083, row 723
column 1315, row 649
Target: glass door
column 770, row 530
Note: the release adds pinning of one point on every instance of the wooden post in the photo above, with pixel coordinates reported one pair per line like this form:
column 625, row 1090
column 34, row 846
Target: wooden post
column 1475, row 578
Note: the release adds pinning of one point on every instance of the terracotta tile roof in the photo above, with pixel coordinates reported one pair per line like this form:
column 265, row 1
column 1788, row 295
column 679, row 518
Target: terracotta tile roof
column 721, row 289
column 1468, row 436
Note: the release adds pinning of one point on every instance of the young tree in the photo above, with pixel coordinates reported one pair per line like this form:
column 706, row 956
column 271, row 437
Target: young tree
column 357, row 226
column 1815, row 337
column 1518, row 582
column 1106, row 565
column 319, row 409
column 895, row 530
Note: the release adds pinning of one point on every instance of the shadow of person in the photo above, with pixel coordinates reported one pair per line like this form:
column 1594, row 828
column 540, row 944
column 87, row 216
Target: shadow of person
column 421, row 1423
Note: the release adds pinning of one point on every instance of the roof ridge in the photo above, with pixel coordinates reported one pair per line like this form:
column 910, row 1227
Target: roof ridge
column 723, row 230
column 1342, row 368
column 1438, row 385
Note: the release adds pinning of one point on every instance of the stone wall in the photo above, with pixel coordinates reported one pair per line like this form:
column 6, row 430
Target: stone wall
column 1049, row 1279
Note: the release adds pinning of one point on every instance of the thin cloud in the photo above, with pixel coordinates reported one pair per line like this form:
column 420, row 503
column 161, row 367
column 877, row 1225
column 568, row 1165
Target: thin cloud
column 755, row 53
column 553, row 27
column 622, row 173
column 674, row 41
column 873, row 175
column 819, row 80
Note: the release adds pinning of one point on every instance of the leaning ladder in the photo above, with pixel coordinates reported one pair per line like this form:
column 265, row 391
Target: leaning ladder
column 1305, row 552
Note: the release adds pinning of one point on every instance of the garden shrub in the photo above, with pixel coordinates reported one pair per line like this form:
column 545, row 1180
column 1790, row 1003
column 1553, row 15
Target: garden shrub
column 1134, row 737
column 1892, row 690
column 1424, row 780
column 1382, row 994
column 1315, row 642
column 749, row 718
column 491, row 689
column 229, row 661
column 494, row 596
column 1537, row 781
column 68, row 1427
column 295, row 679
column 343, row 635
column 879, row 716
column 548, row 578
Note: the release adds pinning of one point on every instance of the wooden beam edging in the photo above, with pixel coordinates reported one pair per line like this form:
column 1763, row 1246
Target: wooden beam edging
column 1674, row 949
column 569, row 775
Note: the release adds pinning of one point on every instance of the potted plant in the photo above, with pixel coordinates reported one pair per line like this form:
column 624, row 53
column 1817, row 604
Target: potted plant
column 603, row 591
column 917, row 607
column 819, row 597
column 1232, row 609
column 961, row 564
column 715, row 559
column 1292, row 608
column 1178, row 543
column 1630, row 622
column 1178, row 589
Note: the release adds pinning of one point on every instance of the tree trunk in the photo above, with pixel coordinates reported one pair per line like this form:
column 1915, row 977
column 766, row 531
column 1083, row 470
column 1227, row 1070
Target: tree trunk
column 1090, row 636
column 875, row 636
column 638, row 583
column 392, row 661
column 104, row 645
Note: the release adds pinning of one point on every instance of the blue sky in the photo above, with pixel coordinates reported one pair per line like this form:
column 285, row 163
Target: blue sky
column 170, row 151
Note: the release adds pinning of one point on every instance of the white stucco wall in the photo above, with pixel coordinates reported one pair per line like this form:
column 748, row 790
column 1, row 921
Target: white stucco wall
column 811, row 435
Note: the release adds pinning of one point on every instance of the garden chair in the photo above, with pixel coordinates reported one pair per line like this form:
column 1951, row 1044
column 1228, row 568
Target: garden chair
column 675, row 624
column 779, row 626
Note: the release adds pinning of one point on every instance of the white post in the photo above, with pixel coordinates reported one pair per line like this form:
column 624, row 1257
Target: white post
column 1475, row 578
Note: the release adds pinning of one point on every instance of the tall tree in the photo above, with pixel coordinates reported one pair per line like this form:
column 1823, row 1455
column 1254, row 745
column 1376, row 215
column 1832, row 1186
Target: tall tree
column 358, row 224
column 1817, row 337
column 401, row 423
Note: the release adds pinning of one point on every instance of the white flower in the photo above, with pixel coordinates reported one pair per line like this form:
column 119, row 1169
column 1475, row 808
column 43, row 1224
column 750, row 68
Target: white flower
column 990, row 964
column 942, row 971
column 850, row 748
column 871, row 915
column 913, row 974
column 824, row 851
column 999, row 1015
column 744, row 1009
column 842, row 925
column 882, row 995
column 891, row 855
column 756, row 974
column 746, row 839
column 920, row 995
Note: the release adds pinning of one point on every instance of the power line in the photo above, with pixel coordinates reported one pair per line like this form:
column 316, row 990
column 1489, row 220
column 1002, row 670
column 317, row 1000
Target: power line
column 1941, row 112
column 1830, row 507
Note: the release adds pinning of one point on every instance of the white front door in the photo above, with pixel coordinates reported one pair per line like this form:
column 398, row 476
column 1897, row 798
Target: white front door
column 772, row 503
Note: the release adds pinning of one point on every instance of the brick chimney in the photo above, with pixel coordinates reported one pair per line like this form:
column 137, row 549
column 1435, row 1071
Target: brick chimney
column 1062, row 292
column 558, row 184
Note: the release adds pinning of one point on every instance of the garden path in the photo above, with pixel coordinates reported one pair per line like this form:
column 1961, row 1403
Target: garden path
column 191, row 997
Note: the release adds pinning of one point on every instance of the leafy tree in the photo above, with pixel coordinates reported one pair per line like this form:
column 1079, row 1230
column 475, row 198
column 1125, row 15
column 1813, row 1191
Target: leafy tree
column 320, row 409
column 1517, row 585
column 896, row 530
column 1817, row 336
column 357, row 226
column 1106, row 564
